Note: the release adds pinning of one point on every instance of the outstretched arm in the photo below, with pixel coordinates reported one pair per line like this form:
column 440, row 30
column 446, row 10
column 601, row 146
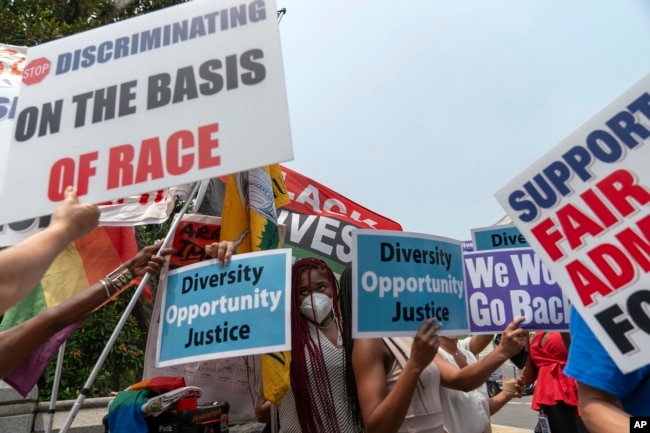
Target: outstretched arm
column 17, row 343
column 502, row 398
column 23, row 265
column 475, row 375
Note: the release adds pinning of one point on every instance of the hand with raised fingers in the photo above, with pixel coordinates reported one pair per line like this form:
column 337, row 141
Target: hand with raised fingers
column 513, row 339
column 74, row 219
column 425, row 344
column 222, row 251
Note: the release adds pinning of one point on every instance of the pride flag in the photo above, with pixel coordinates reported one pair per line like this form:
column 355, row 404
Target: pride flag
column 81, row 264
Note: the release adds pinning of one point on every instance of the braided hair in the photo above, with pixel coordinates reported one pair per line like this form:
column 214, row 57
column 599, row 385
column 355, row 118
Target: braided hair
column 345, row 302
column 313, row 418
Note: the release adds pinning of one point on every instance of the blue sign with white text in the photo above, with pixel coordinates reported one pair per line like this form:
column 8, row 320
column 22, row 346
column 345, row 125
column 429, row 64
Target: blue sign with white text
column 498, row 238
column 212, row 311
column 401, row 279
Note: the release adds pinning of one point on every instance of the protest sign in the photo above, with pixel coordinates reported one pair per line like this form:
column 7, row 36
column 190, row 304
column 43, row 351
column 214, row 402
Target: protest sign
column 401, row 279
column 212, row 311
column 503, row 285
column 178, row 95
column 583, row 207
column 232, row 379
column 12, row 59
column 146, row 208
column 498, row 237
column 8, row 103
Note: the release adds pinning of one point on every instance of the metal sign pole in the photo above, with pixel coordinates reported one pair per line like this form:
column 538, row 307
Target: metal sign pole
column 55, row 388
column 111, row 341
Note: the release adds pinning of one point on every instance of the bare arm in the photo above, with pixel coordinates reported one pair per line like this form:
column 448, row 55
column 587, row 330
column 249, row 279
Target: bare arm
column 23, row 265
column 17, row 343
column 384, row 412
column 498, row 401
column 502, row 398
column 601, row 411
column 475, row 375
column 479, row 342
column 530, row 372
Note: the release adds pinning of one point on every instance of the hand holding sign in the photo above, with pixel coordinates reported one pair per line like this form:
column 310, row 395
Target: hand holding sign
column 222, row 251
column 73, row 218
column 513, row 338
column 425, row 344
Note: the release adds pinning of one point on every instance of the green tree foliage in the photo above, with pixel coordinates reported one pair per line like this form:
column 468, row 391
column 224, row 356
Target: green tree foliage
column 33, row 22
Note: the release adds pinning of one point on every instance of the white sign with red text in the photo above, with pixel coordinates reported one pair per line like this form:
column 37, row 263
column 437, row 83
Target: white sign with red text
column 585, row 208
column 186, row 93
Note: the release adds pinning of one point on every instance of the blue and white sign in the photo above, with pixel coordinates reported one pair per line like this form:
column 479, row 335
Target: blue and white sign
column 401, row 279
column 498, row 238
column 212, row 311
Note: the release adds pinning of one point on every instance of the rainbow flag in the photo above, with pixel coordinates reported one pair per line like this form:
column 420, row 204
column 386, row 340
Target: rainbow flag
column 81, row 264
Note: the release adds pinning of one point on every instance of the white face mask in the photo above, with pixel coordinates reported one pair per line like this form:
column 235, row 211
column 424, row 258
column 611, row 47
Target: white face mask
column 321, row 307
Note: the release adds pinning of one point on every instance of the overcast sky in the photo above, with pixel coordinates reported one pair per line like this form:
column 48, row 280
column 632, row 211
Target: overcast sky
column 422, row 110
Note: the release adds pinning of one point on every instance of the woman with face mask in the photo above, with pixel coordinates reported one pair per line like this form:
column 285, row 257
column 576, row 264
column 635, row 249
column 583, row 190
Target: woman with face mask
column 317, row 400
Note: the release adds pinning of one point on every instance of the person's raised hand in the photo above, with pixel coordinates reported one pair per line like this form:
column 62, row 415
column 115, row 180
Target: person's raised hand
column 222, row 251
column 425, row 344
column 513, row 338
column 148, row 261
column 74, row 219
column 520, row 383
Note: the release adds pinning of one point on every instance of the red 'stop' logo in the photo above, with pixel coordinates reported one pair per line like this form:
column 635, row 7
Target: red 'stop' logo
column 36, row 70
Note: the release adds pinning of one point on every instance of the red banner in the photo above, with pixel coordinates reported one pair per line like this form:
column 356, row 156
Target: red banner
column 319, row 221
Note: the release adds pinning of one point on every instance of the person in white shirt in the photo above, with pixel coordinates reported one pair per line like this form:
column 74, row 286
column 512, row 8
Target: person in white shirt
column 469, row 412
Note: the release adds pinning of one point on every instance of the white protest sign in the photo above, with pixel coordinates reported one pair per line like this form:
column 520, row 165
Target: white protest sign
column 584, row 207
column 186, row 93
column 8, row 102
column 12, row 59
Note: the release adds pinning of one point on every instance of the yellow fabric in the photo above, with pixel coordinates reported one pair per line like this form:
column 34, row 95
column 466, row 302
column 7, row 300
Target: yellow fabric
column 275, row 375
column 249, row 210
column 66, row 274
column 250, row 221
